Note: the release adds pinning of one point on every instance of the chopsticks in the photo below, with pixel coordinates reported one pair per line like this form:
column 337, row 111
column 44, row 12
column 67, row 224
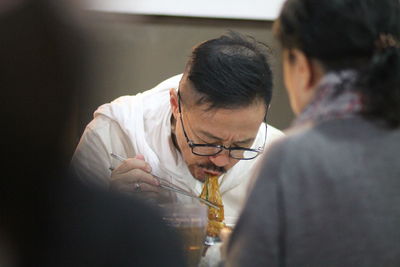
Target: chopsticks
column 169, row 186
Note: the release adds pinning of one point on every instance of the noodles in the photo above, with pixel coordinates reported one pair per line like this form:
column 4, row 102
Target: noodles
column 211, row 193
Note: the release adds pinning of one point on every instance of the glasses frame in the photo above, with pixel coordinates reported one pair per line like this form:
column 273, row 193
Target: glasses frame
column 193, row 145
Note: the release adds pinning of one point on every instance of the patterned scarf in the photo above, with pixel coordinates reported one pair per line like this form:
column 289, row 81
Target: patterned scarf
column 335, row 97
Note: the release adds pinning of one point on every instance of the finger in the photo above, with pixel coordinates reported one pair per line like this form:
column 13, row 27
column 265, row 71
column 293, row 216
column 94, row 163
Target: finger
column 139, row 156
column 136, row 187
column 133, row 163
column 135, row 175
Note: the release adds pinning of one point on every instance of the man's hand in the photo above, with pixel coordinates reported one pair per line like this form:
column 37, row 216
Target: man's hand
column 134, row 175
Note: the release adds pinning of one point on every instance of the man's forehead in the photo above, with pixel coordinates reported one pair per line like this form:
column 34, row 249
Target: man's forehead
column 254, row 113
column 205, row 111
column 241, row 124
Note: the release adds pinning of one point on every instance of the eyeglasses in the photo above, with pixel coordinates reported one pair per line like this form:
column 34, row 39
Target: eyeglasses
column 240, row 153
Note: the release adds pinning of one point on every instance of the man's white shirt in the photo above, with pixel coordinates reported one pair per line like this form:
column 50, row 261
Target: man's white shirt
column 141, row 124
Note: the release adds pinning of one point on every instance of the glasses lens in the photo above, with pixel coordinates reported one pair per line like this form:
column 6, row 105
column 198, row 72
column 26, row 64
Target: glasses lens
column 206, row 150
column 243, row 154
column 234, row 153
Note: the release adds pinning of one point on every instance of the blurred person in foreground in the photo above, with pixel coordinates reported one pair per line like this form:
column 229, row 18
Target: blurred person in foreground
column 48, row 218
column 209, row 121
column 328, row 193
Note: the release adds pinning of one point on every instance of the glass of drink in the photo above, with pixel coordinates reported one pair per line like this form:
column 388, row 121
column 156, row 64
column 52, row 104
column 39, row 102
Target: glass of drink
column 190, row 223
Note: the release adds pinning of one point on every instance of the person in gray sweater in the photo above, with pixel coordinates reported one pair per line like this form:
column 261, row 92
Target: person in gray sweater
column 328, row 194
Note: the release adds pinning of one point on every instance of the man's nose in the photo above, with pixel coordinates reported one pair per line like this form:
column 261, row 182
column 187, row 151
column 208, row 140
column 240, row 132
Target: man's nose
column 221, row 159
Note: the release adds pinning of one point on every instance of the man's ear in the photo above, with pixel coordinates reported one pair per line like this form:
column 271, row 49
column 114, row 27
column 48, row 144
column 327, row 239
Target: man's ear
column 173, row 100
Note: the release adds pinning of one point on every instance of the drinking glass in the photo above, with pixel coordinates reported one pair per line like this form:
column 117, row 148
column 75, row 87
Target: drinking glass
column 190, row 223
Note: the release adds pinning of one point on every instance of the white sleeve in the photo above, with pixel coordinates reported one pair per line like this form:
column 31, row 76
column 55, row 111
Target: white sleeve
column 91, row 160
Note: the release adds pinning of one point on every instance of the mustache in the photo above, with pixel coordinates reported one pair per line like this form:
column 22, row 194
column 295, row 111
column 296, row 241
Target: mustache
column 212, row 167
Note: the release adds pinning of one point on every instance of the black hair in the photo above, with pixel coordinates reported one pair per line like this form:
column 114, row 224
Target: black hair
column 347, row 34
column 231, row 71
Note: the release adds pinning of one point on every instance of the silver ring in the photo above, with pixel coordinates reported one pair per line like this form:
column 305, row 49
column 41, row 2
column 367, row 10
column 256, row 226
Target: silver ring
column 137, row 187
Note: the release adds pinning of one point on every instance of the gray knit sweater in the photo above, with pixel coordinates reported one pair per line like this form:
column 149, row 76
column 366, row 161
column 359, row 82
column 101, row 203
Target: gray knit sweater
column 326, row 196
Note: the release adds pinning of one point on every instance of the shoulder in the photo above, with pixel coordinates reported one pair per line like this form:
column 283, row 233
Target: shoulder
column 290, row 150
column 310, row 148
column 124, row 111
column 127, row 105
column 293, row 141
column 273, row 133
column 102, row 125
column 171, row 82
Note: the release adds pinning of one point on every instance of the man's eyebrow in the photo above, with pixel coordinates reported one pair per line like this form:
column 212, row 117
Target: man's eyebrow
column 209, row 135
column 216, row 138
column 245, row 142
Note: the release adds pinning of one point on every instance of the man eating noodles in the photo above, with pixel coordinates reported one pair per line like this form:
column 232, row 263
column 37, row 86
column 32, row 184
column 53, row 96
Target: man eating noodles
column 209, row 121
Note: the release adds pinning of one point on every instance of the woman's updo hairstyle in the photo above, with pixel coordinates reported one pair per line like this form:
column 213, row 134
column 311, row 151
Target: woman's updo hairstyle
column 351, row 34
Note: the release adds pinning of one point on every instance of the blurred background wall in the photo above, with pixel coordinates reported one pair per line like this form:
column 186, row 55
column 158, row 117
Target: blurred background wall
column 134, row 53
